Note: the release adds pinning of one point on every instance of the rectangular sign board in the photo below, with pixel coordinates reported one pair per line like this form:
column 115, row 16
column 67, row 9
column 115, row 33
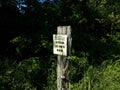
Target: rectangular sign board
column 60, row 44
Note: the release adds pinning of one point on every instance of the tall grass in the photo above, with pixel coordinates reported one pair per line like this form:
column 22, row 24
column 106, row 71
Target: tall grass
column 104, row 77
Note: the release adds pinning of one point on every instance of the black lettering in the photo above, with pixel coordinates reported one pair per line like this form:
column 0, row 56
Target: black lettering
column 56, row 45
column 59, row 42
column 62, row 42
column 59, row 38
column 60, row 46
column 63, row 46
column 59, row 50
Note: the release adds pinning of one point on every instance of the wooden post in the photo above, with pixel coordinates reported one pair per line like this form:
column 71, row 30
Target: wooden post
column 63, row 61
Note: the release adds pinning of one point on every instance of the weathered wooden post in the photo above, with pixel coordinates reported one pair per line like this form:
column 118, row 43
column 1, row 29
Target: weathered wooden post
column 62, row 47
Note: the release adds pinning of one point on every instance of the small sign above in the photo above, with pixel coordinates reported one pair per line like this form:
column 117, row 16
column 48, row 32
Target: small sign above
column 60, row 44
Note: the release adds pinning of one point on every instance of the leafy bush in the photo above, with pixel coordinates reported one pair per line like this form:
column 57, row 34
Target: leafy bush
column 105, row 77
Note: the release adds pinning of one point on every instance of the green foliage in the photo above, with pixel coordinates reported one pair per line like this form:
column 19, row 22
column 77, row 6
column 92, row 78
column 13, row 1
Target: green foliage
column 28, row 74
column 24, row 73
column 78, row 66
column 51, row 79
column 7, row 68
column 104, row 77
column 21, row 44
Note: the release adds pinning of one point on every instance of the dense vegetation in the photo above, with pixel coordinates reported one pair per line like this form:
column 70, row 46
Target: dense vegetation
column 26, row 58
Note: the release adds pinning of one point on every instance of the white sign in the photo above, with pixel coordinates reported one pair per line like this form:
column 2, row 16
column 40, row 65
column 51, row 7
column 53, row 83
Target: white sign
column 60, row 44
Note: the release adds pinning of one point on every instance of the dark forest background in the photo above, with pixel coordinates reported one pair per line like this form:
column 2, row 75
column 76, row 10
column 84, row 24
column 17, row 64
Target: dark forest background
column 26, row 56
